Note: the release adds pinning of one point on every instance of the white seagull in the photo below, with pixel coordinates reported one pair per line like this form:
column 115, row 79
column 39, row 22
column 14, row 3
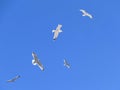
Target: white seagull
column 36, row 61
column 86, row 13
column 57, row 31
column 66, row 64
column 14, row 79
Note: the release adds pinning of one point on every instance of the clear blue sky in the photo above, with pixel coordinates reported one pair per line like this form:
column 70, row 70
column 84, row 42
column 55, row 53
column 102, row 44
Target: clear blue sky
column 91, row 46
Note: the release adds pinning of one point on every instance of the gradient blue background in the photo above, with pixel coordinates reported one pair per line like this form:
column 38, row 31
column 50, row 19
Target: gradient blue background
column 91, row 46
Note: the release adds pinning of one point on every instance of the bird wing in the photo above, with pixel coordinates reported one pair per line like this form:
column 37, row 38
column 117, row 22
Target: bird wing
column 40, row 65
column 34, row 55
column 64, row 62
column 18, row 76
column 90, row 16
column 11, row 80
column 59, row 27
column 83, row 11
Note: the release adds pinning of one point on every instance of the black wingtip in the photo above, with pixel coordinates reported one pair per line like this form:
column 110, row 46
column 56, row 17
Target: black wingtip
column 54, row 39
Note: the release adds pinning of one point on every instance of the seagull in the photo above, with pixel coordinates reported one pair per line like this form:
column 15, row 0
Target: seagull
column 14, row 79
column 66, row 64
column 57, row 31
column 86, row 13
column 36, row 61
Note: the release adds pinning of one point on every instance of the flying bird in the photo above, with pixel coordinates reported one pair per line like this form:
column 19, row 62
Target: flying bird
column 14, row 79
column 36, row 61
column 57, row 31
column 86, row 13
column 66, row 64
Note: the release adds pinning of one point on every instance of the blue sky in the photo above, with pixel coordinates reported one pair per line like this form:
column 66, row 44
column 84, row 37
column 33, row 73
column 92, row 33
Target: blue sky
column 91, row 46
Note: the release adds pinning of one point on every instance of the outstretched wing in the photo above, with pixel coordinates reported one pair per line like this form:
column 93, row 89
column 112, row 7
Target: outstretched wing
column 40, row 65
column 18, row 76
column 90, row 16
column 59, row 27
column 11, row 80
column 83, row 11
column 64, row 62
column 34, row 55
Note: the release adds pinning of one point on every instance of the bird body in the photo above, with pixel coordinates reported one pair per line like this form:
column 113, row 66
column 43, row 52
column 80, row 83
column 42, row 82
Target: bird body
column 36, row 61
column 66, row 64
column 57, row 31
column 86, row 13
column 14, row 79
